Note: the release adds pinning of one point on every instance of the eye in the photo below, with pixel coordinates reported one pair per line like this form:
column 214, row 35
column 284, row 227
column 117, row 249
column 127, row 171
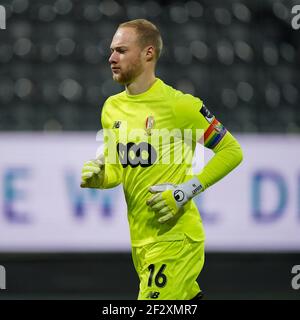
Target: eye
column 118, row 50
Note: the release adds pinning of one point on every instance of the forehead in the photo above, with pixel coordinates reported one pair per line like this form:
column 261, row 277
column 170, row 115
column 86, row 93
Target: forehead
column 124, row 37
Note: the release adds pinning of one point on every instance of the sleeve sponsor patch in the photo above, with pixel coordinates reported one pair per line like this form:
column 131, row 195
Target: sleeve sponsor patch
column 206, row 114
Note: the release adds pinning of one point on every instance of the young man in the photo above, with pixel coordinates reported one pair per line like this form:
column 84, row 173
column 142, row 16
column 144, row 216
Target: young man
column 165, row 226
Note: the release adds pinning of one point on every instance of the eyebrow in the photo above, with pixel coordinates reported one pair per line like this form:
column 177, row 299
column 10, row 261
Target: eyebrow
column 118, row 47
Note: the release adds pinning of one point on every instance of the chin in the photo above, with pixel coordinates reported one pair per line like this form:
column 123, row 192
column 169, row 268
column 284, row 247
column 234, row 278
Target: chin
column 116, row 78
column 120, row 80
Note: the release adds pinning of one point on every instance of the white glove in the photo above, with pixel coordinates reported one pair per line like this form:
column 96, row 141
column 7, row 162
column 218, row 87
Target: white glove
column 169, row 198
column 92, row 174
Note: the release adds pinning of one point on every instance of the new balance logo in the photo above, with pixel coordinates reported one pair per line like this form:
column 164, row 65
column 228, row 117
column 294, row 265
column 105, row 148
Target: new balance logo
column 153, row 295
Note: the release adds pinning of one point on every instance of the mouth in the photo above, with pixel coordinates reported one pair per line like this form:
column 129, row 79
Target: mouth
column 115, row 68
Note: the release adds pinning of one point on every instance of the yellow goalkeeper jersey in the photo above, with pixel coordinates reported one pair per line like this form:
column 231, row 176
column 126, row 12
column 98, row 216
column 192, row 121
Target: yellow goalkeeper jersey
column 144, row 160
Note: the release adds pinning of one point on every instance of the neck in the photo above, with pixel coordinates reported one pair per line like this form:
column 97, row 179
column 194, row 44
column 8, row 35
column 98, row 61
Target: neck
column 141, row 84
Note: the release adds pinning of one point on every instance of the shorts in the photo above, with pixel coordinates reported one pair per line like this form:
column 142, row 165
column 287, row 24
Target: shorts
column 168, row 270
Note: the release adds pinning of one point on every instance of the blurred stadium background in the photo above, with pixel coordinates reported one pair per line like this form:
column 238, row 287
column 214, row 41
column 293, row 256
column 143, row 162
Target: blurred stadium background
column 241, row 57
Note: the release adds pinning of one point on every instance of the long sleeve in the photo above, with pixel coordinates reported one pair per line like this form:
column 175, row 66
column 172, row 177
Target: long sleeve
column 191, row 112
column 228, row 155
column 113, row 172
column 112, row 175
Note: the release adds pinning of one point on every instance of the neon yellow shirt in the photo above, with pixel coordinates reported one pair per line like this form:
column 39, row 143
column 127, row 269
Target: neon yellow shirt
column 141, row 158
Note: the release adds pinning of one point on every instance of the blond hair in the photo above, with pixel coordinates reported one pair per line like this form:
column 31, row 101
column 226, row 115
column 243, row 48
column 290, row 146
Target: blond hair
column 148, row 34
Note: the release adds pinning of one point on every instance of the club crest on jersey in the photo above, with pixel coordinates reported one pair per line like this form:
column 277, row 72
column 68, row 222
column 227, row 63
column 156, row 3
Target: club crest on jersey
column 149, row 125
column 207, row 114
column 117, row 125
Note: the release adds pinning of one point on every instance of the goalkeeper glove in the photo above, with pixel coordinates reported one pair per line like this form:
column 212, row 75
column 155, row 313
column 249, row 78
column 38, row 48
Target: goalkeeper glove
column 92, row 174
column 169, row 198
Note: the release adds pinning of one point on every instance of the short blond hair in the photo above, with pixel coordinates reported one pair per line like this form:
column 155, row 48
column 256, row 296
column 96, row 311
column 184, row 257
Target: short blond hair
column 148, row 34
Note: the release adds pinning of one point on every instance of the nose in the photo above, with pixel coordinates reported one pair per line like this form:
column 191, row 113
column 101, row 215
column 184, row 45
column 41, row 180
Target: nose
column 113, row 57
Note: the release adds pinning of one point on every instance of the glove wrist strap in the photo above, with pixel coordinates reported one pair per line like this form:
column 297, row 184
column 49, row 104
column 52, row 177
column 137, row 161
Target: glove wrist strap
column 192, row 187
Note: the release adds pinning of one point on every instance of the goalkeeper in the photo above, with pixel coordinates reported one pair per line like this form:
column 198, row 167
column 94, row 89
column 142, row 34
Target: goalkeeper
column 166, row 229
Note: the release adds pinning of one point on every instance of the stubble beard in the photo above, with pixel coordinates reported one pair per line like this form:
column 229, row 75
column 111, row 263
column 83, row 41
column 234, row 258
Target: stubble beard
column 128, row 76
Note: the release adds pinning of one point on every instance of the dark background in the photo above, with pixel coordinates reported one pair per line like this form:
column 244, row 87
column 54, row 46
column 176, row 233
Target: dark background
column 241, row 57
column 110, row 276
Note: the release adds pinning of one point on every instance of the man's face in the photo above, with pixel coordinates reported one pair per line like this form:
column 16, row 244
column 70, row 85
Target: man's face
column 126, row 56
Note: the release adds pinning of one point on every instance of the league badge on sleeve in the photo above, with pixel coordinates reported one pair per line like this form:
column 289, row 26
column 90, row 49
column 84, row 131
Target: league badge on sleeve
column 207, row 114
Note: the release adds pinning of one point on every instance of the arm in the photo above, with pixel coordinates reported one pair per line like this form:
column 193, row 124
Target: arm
column 227, row 155
column 100, row 173
column 168, row 199
column 113, row 175
column 113, row 170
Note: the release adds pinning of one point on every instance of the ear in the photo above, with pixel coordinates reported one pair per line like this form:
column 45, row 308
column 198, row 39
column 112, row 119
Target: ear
column 149, row 53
